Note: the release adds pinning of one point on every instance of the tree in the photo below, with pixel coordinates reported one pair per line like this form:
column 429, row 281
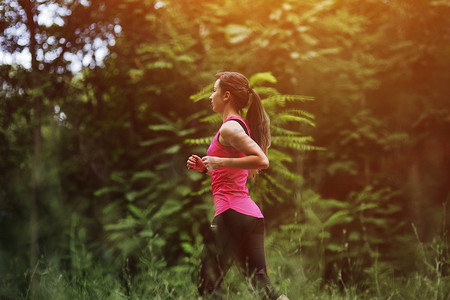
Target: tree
column 41, row 86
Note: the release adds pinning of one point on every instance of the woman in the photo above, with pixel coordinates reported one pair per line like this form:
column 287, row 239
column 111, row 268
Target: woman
column 237, row 230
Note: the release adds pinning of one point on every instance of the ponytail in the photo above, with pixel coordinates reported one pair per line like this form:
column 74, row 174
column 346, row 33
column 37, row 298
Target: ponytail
column 257, row 118
column 258, row 121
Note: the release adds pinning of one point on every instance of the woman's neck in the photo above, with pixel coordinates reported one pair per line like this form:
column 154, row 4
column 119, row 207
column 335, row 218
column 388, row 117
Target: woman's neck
column 228, row 113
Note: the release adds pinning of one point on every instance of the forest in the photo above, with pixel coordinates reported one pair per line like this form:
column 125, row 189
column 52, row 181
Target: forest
column 103, row 101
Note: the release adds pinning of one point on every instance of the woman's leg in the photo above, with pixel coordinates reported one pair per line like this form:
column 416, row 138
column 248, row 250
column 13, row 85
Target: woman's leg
column 252, row 260
column 210, row 275
column 234, row 236
column 216, row 258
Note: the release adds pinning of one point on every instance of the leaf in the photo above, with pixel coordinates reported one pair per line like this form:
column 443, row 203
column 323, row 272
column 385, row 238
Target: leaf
column 127, row 223
column 199, row 141
column 235, row 33
column 324, row 235
column 144, row 175
column 136, row 211
column 172, row 150
column 214, row 118
column 284, row 118
column 161, row 127
column 335, row 247
column 136, row 73
column 186, row 132
column 152, row 141
column 118, row 177
column 272, row 103
column 277, row 155
column 188, row 248
column 340, row 217
column 146, row 233
column 349, row 167
column 159, row 64
column 264, row 90
column 260, row 79
column 130, row 196
column 169, row 207
column 203, row 94
column 366, row 206
column 333, row 204
column 106, row 190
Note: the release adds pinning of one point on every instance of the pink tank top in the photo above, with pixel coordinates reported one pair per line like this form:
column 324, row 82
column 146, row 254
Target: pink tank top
column 229, row 185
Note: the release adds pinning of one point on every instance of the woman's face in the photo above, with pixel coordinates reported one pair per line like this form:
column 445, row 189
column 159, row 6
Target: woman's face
column 217, row 98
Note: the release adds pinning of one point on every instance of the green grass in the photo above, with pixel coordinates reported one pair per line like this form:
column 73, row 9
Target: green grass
column 154, row 280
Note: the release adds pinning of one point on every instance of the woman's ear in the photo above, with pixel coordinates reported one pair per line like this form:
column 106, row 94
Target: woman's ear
column 227, row 96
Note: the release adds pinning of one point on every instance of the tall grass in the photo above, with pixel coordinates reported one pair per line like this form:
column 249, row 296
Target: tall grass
column 153, row 279
column 84, row 270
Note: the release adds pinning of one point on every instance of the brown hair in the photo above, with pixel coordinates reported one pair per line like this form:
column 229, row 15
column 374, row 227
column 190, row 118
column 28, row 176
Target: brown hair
column 257, row 118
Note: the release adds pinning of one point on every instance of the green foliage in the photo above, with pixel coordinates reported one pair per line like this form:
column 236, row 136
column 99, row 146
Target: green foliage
column 138, row 217
column 352, row 243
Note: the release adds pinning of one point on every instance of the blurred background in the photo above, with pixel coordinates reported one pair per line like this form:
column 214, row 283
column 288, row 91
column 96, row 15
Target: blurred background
column 101, row 104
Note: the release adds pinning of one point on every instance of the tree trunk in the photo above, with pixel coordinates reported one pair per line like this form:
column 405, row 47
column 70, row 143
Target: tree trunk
column 36, row 183
column 31, row 13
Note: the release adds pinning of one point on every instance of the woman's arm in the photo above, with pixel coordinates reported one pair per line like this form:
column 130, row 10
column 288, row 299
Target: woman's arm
column 232, row 134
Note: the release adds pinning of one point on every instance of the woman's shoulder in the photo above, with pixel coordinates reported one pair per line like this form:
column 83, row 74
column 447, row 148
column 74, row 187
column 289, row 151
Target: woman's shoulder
column 230, row 128
column 237, row 120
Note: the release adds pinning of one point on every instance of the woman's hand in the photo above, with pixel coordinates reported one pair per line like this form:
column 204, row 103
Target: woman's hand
column 212, row 162
column 195, row 163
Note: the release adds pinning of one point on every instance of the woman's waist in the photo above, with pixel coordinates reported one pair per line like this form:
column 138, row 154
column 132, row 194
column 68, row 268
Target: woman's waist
column 228, row 175
column 228, row 188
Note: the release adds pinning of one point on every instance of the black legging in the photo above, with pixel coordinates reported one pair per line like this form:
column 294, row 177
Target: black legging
column 234, row 237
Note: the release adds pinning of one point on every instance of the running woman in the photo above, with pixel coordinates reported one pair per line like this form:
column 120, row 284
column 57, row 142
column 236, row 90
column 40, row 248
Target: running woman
column 238, row 150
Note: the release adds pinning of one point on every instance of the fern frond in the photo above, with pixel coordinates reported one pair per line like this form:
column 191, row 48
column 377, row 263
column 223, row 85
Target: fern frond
column 276, row 130
column 283, row 118
column 279, row 168
column 203, row 94
column 300, row 112
column 199, row 141
column 206, row 189
column 296, row 143
column 265, row 91
column 276, row 183
column 282, row 99
column 267, row 199
column 304, row 147
column 272, row 101
column 152, row 141
column 288, row 140
column 195, row 116
column 261, row 78
column 276, row 196
column 161, row 127
column 160, row 117
column 264, row 196
column 215, row 118
column 276, row 192
column 277, row 155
